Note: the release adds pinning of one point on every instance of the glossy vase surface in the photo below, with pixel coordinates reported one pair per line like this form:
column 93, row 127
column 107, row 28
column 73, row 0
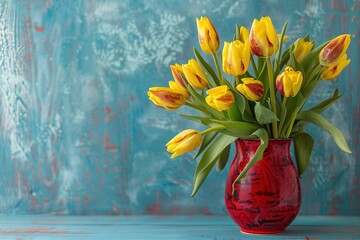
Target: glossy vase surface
column 268, row 199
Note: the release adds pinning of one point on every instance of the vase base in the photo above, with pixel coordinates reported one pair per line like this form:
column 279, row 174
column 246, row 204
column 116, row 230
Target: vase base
column 260, row 232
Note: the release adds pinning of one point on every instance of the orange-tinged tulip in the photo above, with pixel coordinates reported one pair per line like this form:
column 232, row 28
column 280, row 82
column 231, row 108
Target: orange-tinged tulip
column 333, row 71
column 220, row 98
column 236, row 57
column 302, row 48
column 334, row 50
column 178, row 87
column 166, row 97
column 252, row 89
column 177, row 73
column 208, row 37
column 194, row 75
column 263, row 38
column 289, row 82
column 184, row 142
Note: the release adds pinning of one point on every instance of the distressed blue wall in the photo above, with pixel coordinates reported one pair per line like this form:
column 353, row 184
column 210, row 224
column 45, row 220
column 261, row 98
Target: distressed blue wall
column 78, row 135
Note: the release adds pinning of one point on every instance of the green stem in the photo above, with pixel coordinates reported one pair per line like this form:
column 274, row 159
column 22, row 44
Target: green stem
column 272, row 96
column 195, row 106
column 237, row 81
column 283, row 105
column 254, row 66
column 216, row 128
column 217, row 68
column 292, row 121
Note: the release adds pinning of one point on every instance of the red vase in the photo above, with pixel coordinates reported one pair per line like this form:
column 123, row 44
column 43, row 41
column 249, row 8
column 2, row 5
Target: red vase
column 268, row 199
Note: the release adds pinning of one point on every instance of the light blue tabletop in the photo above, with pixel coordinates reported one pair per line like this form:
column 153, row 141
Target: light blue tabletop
column 166, row 227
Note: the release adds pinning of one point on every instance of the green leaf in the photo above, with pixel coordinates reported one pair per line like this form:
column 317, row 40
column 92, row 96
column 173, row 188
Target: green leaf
column 264, row 115
column 236, row 128
column 264, row 140
column 293, row 106
column 321, row 107
column 280, row 46
column 209, row 159
column 303, row 145
column 223, row 158
column 317, row 119
column 312, row 58
column 205, row 142
column 206, row 68
column 201, row 101
column 242, row 104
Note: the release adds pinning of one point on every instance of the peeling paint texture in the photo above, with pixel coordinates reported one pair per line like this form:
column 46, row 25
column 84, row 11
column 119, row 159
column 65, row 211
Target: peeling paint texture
column 79, row 136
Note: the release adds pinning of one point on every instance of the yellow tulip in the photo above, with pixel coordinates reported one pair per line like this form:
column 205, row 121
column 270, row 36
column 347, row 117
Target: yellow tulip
column 302, row 48
column 331, row 72
column 166, row 97
column 289, row 82
column 208, row 37
column 236, row 57
column 177, row 73
column 285, row 38
column 244, row 34
column 263, row 38
column 194, row 75
column 252, row 89
column 220, row 98
column 178, row 87
column 184, row 142
column 334, row 50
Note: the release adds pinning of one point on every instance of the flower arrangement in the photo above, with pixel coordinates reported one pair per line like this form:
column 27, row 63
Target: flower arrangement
column 264, row 99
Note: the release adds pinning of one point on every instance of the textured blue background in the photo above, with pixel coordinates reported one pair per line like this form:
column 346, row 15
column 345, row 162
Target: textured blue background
column 79, row 136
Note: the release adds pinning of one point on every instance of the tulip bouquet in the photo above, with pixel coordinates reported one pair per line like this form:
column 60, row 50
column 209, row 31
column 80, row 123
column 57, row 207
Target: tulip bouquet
column 260, row 93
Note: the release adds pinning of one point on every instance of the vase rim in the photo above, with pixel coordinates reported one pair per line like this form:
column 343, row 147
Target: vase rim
column 270, row 139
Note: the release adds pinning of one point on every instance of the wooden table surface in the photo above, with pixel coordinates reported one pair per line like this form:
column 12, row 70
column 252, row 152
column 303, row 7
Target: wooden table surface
column 166, row 227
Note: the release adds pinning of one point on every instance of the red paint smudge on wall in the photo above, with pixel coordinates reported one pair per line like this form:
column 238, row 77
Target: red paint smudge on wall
column 39, row 28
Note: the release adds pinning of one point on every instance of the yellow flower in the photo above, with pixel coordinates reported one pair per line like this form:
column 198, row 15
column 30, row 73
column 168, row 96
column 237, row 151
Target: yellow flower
column 166, row 97
column 220, row 98
column 263, row 38
column 289, row 82
column 302, row 48
column 236, row 57
column 244, row 34
column 252, row 89
column 334, row 50
column 194, row 75
column 285, row 38
column 176, row 71
column 178, row 87
column 331, row 72
column 184, row 142
column 208, row 37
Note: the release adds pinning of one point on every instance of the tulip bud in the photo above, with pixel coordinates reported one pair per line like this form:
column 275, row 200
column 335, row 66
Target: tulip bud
column 244, row 34
column 184, row 142
column 333, row 71
column 178, row 87
column 289, row 82
column 252, row 89
column 166, row 97
column 263, row 38
column 334, row 50
column 208, row 37
column 220, row 98
column 176, row 71
column 236, row 57
column 194, row 75
column 302, row 48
